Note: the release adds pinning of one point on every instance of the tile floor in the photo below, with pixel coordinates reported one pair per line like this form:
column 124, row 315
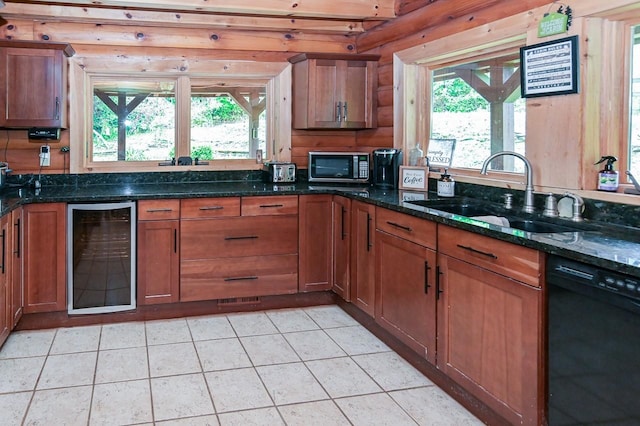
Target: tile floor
column 311, row 366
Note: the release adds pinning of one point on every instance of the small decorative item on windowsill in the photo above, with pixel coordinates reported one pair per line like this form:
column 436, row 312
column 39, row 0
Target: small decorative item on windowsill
column 414, row 178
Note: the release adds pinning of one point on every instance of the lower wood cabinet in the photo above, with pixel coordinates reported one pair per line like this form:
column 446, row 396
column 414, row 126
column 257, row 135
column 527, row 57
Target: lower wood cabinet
column 16, row 249
column 363, row 230
column 158, row 251
column 341, row 246
column 5, row 279
column 45, row 232
column 315, row 224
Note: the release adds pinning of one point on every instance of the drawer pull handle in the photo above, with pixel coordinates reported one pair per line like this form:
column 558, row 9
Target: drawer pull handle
column 397, row 225
column 212, row 208
column 267, row 206
column 427, row 268
column 159, row 210
column 248, row 237
column 484, row 253
column 253, row 277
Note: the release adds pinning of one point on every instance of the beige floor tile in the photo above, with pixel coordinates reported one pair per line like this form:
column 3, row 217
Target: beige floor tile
column 20, row 374
column 234, row 390
column 269, row 349
column 330, row 316
column 13, row 406
column 375, row 409
column 23, row 344
column 123, row 335
column 291, row 320
column 310, row 345
column 173, row 359
column 118, row 365
column 391, row 372
column 180, row 396
column 68, row 370
column 76, row 339
column 252, row 324
column 317, row 413
column 259, row 417
column 222, row 354
column 291, row 383
column 342, row 377
column 432, row 406
column 167, row 331
column 67, row 406
column 121, row 403
column 357, row 340
column 211, row 420
column 209, row 328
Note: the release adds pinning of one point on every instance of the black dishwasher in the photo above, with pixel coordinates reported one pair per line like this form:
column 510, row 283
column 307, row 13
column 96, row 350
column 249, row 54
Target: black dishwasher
column 594, row 345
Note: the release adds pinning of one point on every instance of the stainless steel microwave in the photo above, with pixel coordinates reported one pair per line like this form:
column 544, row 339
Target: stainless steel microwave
column 339, row 167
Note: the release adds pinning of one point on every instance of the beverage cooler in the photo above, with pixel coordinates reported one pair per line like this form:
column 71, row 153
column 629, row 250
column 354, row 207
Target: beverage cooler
column 101, row 266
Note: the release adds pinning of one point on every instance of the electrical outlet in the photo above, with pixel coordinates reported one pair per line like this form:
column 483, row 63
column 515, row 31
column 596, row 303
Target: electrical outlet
column 45, row 156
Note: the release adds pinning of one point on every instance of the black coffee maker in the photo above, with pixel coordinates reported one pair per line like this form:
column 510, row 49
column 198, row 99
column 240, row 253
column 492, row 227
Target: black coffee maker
column 386, row 167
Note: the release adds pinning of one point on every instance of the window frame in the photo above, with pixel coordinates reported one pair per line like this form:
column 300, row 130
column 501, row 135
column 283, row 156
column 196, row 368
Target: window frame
column 276, row 75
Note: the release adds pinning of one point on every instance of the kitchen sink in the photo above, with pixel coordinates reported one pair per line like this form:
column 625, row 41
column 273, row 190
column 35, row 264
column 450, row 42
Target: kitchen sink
column 537, row 226
column 462, row 208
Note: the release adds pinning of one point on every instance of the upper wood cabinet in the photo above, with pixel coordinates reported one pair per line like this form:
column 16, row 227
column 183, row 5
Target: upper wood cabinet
column 334, row 91
column 33, row 84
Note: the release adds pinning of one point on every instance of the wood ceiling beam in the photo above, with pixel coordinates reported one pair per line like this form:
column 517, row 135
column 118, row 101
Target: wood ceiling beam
column 344, row 9
column 173, row 20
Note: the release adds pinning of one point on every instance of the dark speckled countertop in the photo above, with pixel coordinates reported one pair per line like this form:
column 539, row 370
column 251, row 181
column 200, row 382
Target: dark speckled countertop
column 597, row 243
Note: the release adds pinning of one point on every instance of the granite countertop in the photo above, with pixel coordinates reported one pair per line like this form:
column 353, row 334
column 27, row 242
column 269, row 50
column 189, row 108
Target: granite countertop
column 608, row 246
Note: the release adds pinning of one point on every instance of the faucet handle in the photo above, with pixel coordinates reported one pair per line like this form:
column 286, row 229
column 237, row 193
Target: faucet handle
column 550, row 206
column 508, row 201
column 578, row 205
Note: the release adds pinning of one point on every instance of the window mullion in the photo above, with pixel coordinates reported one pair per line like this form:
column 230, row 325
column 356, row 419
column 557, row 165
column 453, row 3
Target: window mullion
column 183, row 117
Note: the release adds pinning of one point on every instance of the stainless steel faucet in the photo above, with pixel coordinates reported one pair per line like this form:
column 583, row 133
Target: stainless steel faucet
column 577, row 205
column 528, row 191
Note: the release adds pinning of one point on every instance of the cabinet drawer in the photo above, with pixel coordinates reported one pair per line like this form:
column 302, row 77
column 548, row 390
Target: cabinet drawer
column 202, row 208
column 158, row 209
column 514, row 261
column 236, row 237
column 238, row 277
column 267, row 205
column 414, row 229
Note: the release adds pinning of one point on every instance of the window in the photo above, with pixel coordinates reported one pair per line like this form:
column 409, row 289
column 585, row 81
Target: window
column 634, row 109
column 477, row 103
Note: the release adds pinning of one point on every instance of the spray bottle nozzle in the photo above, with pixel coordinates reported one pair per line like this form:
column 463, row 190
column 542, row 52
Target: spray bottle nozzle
column 610, row 159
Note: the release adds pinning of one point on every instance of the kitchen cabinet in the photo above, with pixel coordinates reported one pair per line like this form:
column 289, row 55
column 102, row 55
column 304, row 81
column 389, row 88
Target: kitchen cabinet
column 158, row 251
column 490, row 322
column 45, row 233
column 315, row 243
column 405, row 301
column 16, row 301
column 334, row 91
column 363, row 216
column 238, row 247
column 5, row 279
column 33, row 84
column 341, row 246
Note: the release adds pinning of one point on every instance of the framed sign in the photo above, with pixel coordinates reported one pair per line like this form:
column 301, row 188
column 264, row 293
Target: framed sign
column 549, row 68
column 440, row 153
column 414, row 178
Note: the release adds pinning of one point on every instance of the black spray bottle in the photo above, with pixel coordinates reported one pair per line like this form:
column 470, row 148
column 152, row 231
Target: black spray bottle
column 608, row 179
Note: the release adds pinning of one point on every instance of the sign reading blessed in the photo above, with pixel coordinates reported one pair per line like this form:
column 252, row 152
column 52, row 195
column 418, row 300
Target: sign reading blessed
column 549, row 68
column 414, row 178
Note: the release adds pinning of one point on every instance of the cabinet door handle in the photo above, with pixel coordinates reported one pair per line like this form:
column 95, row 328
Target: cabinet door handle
column 439, row 290
column 483, row 253
column 175, row 241
column 252, row 277
column 248, row 237
column 57, row 113
column 344, row 112
column 212, row 208
column 368, row 232
column 427, row 268
column 159, row 210
column 18, row 239
column 338, row 112
column 343, row 234
column 397, row 225
column 4, row 249
column 271, row 206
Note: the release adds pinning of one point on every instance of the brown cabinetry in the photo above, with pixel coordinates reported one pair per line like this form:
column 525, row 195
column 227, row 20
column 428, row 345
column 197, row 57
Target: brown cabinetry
column 44, row 257
column 226, row 254
column 315, row 243
column 334, row 91
column 5, row 278
column 158, row 251
column 33, row 84
column 16, row 300
column 363, row 230
column 489, row 324
column 341, row 246
column 405, row 279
